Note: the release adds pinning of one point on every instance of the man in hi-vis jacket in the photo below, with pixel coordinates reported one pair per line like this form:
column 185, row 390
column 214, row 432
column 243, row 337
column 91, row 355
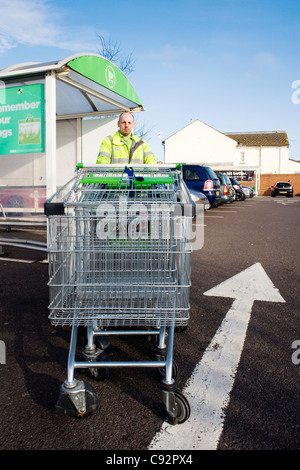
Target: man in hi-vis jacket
column 124, row 146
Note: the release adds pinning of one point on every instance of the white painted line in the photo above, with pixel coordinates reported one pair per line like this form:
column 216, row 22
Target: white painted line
column 215, row 216
column 208, row 390
column 285, row 202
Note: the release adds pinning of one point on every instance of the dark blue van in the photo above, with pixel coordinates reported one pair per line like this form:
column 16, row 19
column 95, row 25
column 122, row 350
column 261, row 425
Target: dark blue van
column 203, row 179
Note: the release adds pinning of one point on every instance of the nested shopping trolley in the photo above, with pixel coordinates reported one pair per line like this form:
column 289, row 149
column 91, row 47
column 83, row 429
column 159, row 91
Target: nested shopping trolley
column 119, row 249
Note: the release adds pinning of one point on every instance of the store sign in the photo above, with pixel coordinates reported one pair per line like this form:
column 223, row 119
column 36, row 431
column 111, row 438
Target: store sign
column 240, row 175
column 22, row 125
column 110, row 76
column 102, row 72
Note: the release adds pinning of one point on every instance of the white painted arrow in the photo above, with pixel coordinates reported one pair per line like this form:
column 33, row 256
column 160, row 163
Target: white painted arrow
column 208, row 390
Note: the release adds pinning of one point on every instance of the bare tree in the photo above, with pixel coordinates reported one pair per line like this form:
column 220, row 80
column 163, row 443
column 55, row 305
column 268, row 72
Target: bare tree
column 111, row 50
column 142, row 132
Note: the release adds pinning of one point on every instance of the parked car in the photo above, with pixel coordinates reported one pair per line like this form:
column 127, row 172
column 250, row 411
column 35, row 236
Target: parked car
column 227, row 191
column 282, row 189
column 239, row 193
column 247, row 191
column 204, row 180
column 198, row 199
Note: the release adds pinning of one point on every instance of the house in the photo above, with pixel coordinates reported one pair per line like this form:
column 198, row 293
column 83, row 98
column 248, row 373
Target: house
column 199, row 143
column 267, row 150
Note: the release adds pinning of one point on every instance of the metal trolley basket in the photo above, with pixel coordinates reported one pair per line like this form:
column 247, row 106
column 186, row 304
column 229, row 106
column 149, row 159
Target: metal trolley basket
column 119, row 244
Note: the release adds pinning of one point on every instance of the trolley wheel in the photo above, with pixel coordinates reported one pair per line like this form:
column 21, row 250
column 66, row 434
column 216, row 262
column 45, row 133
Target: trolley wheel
column 103, row 342
column 101, row 373
column 98, row 373
column 177, row 407
column 162, row 371
column 182, row 406
column 180, row 328
column 78, row 401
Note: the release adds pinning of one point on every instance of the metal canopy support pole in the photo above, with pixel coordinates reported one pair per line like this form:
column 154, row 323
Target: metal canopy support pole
column 50, row 97
column 257, row 185
column 79, row 140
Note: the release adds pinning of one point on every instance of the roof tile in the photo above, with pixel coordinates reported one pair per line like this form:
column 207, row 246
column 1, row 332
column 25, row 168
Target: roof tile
column 258, row 139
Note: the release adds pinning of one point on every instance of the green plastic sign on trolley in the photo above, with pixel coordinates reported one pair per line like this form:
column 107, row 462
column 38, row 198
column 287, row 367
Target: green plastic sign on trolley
column 22, row 119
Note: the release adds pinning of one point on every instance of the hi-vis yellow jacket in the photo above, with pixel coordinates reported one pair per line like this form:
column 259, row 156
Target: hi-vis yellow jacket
column 114, row 150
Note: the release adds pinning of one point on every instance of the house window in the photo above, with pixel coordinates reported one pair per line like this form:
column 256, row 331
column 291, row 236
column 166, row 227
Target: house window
column 242, row 157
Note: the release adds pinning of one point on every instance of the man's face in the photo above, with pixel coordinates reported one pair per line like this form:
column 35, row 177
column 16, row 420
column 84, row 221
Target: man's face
column 126, row 124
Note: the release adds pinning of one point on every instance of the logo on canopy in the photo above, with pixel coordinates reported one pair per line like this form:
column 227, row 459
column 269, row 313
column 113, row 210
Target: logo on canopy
column 110, row 76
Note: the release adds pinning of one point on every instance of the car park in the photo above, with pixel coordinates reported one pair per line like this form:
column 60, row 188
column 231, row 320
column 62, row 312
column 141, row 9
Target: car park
column 239, row 193
column 204, row 180
column 282, row 189
column 227, row 191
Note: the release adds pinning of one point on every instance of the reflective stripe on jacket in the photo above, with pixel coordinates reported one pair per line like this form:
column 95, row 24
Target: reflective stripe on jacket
column 114, row 150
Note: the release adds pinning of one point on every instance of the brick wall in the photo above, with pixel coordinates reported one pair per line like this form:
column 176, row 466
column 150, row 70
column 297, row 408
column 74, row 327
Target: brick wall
column 266, row 181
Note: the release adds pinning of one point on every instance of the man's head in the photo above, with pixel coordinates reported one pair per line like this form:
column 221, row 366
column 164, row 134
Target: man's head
column 126, row 124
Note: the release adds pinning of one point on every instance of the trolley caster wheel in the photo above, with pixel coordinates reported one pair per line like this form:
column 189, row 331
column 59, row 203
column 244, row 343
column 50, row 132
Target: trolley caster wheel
column 183, row 407
column 78, row 401
column 162, row 371
column 175, row 405
column 180, row 328
column 98, row 373
column 103, row 342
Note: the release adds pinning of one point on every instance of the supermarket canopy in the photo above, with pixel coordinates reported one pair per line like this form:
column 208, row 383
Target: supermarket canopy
column 86, row 84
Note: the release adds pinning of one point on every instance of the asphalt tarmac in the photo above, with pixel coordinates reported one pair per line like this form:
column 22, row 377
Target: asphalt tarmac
column 264, row 408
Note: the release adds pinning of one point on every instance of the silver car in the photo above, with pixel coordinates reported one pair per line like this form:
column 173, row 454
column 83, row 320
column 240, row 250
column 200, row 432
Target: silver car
column 247, row 191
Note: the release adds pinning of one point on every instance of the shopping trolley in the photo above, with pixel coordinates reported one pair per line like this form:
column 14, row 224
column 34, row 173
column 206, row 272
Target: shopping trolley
column 119, row 248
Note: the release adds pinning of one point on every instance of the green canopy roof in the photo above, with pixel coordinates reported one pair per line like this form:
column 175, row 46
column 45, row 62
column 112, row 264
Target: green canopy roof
column 87, row 84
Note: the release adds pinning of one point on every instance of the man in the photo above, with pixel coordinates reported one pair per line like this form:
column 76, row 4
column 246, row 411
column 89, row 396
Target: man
column 124, row 146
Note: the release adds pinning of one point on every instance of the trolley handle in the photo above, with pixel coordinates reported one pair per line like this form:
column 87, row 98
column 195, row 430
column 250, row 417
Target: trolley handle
column 130, row 182
column 131, row 176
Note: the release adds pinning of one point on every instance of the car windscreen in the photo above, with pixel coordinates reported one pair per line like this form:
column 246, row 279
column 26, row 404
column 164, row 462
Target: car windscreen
column 228, row 182
column 283, row 185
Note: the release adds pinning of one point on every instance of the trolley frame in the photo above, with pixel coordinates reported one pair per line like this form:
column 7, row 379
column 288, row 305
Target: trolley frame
column 71, row 211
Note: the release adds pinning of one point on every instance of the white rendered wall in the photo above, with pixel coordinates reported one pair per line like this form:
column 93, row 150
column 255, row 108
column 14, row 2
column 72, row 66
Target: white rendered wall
column 93, row 132
column 199, row 143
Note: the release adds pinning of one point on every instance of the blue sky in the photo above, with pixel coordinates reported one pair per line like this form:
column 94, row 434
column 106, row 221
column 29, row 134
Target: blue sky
column 229, row 63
